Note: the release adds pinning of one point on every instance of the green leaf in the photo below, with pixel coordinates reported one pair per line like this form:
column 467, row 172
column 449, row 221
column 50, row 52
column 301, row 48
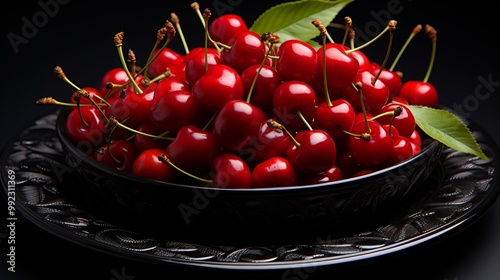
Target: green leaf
column 293, row 20
column 447, row 128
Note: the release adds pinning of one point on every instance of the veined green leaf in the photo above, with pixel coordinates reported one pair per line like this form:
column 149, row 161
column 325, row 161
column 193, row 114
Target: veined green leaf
column 293, row 20
column 447, row 128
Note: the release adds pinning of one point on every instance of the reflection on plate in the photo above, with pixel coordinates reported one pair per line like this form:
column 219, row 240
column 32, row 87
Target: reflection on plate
column 459, row 191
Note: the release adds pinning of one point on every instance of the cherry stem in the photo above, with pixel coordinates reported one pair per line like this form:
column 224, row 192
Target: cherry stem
column 324, row 33
column 348, row 25
column 316, row 22
column 276, row 125
column 106, row 149
column 301, row 116
column 170, row 32
column 206, row 16
column 175, row 19
column 84, row 93
column 392, row 24
column 431, row 32
column 160, row 35
column 272, row 39
column 60, row 74
column 196, row 7
column 52, row 101
column 394, row 113
column 114, row 121
column 118, row 39
column 166, row 74
column 163, row 158
column 358, row 88
column 415, row 31
column 387, row 53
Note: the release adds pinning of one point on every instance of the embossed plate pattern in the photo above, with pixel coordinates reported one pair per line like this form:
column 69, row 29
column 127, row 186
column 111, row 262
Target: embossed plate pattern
column 460, row 190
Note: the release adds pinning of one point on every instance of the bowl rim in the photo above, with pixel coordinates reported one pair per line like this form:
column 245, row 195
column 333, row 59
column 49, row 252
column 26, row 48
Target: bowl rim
column 431, row 144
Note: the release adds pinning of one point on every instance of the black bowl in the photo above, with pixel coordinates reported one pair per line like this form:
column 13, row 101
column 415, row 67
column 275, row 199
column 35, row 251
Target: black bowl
column 188, row 213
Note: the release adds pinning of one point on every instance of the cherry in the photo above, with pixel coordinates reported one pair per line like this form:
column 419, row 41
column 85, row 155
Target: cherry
column 174, row 110
column 334, row 173
column 231, row 172
column 170, row 84
column 217, row 86
column 144, row 142
column 372, row 148
column 119, row 154
column 297, row 60
column 225, row 27
column 115, row 76
column 346, row 163
column 193, row 149
column 416, row 138
column 341, row 69
column 131, row 107
column 197, row 65
column 165, row 58
column 363, row 60
column 274, row 172
column 245, row 49
column 86, row 127
column 262, row 90
column 313, row 151
column 294, row 103
column 236, row 123
column 335, row 118
column 404, row 120
column 391, row 79
column 375, row 93
column 402, row 150
column 93, row 92
column 419, row 93
column 147, row 165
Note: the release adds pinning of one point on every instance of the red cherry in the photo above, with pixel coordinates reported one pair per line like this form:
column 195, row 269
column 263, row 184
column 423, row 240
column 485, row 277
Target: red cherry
column 416, row 138
column 167, row 58
column 217, row 86
column 274, row 172
column 144, row 142
column 316, row 153
column 419, row 93
column 116, row 76
column 347, row 164
column 404, row 121
column 174, row 110
column 88, row 133
column 335, row 118
column 147, row 165
column 223, row 28
column 330, row 175
column 363, row 60
column 292, row 98
column 246, row 49
column 170, row 84
column 236, row 123
column 231, row 172
column 296, row 61
column 402, row 150
column 262, row 93
column 132, row 108
column 196, row 65
column 375, row 150
column 375, row 94
column 391, row 79
column 93, row 92
column 341, row 69
column 193, row 150
column 119, row 154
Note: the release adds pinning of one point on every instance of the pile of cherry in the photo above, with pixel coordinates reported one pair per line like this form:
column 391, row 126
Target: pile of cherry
column 246, row 112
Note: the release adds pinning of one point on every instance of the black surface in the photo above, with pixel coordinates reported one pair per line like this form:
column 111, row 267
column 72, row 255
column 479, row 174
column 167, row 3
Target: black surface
column 78, row 37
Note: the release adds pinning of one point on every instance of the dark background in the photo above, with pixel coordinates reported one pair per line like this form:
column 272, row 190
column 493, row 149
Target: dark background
column 78, row 37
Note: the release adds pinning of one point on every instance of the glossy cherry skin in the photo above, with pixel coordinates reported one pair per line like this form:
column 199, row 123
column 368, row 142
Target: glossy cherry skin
column 193, row 150
column 236, row 123
column 419, row 93
column 167, row 58
column 332, row 174
column 402, row 150
column 341, row 69
column 297, row 60
column 223, row 28
column 89, row 134
column 404, row 122
column 147, row 165
column 174, row 110
column 262, row 92
column 391, row 79
column 317, row 152
column 217, row 86
column 196, row 66
column 334, row 118
column 119, row 154
column 116, row 76
column 373, row 152
column 360, row 56
column 170, row 84
column 247, row 49
column 132, row 108
column 268, row 142
column 231, row 172
column 274, row 172
column 375, row 95
column 292, row 98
